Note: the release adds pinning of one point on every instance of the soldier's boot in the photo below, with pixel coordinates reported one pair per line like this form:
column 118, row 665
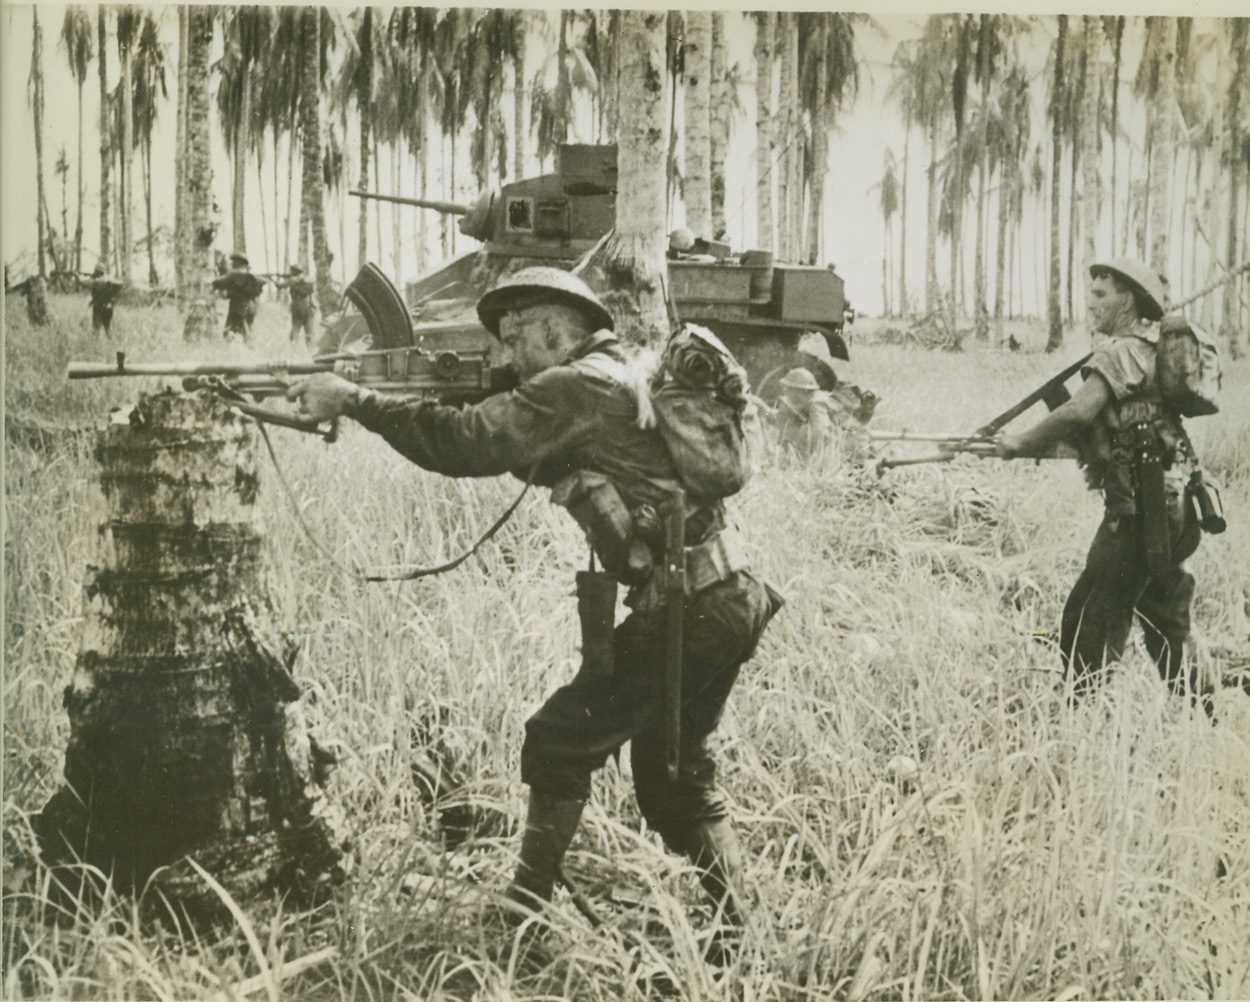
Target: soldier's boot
column 714, row 849
column 550, row 825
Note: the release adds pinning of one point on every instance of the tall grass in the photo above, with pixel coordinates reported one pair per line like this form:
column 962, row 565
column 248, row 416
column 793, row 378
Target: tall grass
column 1033, row 851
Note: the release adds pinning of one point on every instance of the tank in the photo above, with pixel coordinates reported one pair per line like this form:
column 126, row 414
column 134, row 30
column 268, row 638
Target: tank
column 773, row 316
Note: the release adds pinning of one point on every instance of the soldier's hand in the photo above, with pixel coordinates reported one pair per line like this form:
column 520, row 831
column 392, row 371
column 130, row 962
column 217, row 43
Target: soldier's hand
column 323, row 396
column 1008, row 446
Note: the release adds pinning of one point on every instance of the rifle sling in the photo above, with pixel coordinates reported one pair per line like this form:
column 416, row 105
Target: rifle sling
column 1052, row 392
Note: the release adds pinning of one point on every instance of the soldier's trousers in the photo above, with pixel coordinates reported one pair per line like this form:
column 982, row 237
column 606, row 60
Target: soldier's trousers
column 1116, row 588
column 584, row 722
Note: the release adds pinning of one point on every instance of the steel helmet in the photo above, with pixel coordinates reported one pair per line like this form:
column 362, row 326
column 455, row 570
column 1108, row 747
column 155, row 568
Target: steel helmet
column 800, row 379
column 541, row 284
column 1141, row 277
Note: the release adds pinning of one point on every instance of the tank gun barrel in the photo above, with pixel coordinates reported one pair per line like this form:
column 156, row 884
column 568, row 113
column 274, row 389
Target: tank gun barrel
column 450, row 208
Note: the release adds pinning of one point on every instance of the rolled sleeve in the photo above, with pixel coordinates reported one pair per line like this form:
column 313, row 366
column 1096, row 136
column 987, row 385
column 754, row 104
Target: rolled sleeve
column 1126, row 363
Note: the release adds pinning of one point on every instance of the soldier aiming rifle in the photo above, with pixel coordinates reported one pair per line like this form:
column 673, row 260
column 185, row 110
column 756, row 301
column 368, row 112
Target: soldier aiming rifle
column 576, row 425
column 302, row 305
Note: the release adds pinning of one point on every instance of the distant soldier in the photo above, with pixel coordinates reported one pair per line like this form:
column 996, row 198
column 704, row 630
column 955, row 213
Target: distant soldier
column 302, row 305
column 104, row 293
column 241, row 288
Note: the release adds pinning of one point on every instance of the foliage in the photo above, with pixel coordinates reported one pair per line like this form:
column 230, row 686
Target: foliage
column 1035, row 850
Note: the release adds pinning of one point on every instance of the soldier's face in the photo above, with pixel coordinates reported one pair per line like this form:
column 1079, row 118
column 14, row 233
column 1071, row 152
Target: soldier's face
column 1108, row 305
column 528, row 344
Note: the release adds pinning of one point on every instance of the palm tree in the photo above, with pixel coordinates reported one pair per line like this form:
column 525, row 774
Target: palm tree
column 1117, row 44
column 76, row 37
column 245, row 48
column 149, row 85
column 1156, row 85
column 199, row 233
column 765, row 23
column 36, row 304
column 991, row 32
column 1054, row 340
column 1009, row 150
column 634, row 256
column 963, row 28
column 106, row 152
column 829, row 74
column 697, row 73
column 127, row 33
column 602, row 43
column 312, row 204
column 788, row 136
column 275, row 104
column 888, row 190
column 1235, row 156
column 1091, row 175
column 724, row 97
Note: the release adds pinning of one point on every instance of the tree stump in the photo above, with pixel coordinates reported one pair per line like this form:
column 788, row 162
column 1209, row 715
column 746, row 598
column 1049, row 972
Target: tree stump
column 186, row 736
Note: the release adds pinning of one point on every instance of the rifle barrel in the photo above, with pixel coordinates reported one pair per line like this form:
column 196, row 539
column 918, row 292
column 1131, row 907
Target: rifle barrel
column 101, row 370
column 918, row 436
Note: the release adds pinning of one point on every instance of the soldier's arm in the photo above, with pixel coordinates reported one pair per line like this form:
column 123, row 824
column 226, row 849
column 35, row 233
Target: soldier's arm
column 1065, row 422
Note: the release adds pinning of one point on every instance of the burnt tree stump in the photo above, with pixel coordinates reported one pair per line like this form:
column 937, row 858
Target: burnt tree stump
column 186, row 734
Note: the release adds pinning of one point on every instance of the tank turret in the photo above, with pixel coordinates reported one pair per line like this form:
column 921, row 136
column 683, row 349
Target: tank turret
column 761, row 309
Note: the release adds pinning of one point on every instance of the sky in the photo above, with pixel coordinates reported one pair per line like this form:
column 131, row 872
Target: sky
column 853, row 234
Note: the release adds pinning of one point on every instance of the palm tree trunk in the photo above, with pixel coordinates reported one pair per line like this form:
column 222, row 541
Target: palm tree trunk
column 1054, row 340
column 239, row 180
column 764, row 137
column 201, row 312
column 364, row 109
column 519, row 131
column 36, row 77
column 697, row 61
column 153, row 277
column 1164, row 145
column 634, row 257
column 397, row 244
column 820, row 142
column 1115, row 124
column 1089, row 137
column 78, row 223
column 903, row 305
column 981, row 323
column 127, row 152
column 312, row 203
column 180, row 174
column 787, row 127
column 932, row 293
column 1239, row 42
column 720, row 110
column 106, row 152
column 1000, row 249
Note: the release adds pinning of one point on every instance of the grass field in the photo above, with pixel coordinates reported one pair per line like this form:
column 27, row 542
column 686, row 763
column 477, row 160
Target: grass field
column 1036, row 851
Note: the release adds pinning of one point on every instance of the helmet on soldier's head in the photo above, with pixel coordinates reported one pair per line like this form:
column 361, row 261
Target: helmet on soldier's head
column 97, row 271
column 240, row 259
column 1145, row 283
column 537, row 285
column 800, row 379
column 296, row 270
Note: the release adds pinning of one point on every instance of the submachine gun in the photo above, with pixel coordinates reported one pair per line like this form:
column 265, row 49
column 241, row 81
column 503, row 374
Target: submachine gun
column 408, row 366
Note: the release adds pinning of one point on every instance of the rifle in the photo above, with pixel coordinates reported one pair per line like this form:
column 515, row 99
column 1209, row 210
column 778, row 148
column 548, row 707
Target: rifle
column 446, row 376
column 981, row 442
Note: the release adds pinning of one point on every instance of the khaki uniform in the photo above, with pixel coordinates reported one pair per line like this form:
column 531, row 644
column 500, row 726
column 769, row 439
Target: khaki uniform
column 1118, row 585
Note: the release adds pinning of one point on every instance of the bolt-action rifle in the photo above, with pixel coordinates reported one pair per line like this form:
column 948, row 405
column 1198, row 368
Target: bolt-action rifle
column 447, row 376
column 982, row 442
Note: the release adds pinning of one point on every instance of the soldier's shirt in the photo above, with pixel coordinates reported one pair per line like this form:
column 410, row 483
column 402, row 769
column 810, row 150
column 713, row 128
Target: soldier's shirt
column 1127, row 364
column 567, row 418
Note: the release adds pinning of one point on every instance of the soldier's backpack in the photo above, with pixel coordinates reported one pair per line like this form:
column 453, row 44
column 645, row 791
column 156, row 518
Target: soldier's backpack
column 699, row 395
column 1187, row 368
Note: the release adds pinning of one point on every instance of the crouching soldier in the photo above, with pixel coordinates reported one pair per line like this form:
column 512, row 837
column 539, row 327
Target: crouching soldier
column 574, row 425
column 810, row 422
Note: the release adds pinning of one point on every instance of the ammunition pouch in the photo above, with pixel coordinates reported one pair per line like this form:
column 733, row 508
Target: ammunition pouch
column 1203, row 495
column 596, row 610
column 1150, row 498
column 712, row 561
column 597, row 506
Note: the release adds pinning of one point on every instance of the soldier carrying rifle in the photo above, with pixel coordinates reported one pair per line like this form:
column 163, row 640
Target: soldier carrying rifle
column 1136, row 452
column 241, row 288
column 302, row 305
column 578, row 424
column 104, row 293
